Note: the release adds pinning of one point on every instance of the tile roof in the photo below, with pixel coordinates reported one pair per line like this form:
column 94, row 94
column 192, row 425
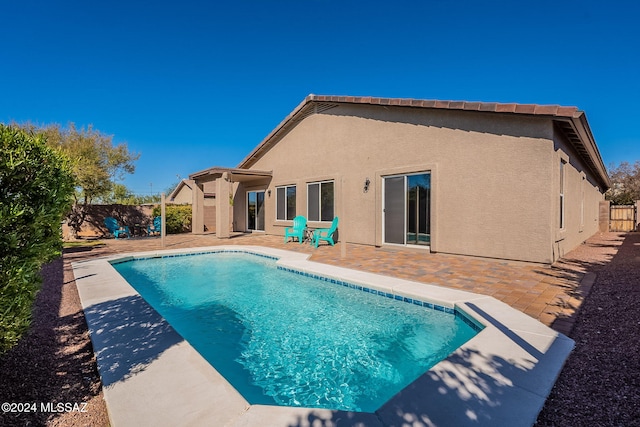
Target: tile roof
column 547, row 110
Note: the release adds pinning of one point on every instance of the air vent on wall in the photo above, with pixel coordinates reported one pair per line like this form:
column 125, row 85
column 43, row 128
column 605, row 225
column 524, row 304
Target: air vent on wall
column 569, row 132
column 313, row 108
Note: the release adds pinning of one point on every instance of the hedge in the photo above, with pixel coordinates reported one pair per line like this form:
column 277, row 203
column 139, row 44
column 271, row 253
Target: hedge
column 178, row 218
column 36, row 187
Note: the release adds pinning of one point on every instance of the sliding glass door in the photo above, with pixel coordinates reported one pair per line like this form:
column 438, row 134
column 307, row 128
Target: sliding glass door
column 255, row 210
column 394, row 209
column 407, row 209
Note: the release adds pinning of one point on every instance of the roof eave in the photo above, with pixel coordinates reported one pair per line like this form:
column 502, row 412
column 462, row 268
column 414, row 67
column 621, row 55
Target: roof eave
column 174, row 193
column 581, row 123
column 254, row 155
column 241, row 174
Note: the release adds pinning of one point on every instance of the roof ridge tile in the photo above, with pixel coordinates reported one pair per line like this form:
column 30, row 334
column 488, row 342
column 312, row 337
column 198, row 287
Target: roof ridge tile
column 498, row 107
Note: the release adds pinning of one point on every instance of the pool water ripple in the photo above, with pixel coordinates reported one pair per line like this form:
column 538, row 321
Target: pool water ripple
column 285, row 339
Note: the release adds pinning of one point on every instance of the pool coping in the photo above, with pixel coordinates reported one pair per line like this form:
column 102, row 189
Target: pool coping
column 502, row 376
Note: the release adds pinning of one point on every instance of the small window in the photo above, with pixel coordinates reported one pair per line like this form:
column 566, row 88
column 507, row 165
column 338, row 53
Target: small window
column 582, row 202
column 320, row 201
column 562, row 178
column 285, row 202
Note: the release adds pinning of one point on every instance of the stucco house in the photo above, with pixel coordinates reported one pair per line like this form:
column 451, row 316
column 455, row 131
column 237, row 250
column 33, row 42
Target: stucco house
column 510, row 181
column 182, row 194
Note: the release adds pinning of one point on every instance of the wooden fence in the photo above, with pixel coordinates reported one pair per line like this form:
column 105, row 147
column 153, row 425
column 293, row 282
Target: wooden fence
column 623, row 217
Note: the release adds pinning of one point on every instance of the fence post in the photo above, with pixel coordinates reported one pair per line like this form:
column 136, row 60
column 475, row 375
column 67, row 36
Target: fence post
column 163, row 213
column 603, row 215
column 342, row 234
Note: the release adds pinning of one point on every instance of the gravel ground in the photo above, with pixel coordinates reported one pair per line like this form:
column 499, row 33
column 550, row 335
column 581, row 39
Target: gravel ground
column 599, row 385
column 54, row 363
column 600, row 382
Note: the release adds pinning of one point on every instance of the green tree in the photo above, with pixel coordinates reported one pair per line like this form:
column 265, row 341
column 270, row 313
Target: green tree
column 171, row 188
column 625, row 183
column 96, row 163
column 120, row 194
column 36, row 187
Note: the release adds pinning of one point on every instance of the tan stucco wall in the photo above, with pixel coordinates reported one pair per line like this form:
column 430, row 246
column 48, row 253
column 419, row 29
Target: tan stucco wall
column 209, row 186
column 490, row 175
column 184, row 197
column 582, row 199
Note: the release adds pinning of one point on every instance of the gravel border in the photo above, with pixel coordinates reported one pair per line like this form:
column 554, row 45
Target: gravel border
column 54, row 363
column 600, row 382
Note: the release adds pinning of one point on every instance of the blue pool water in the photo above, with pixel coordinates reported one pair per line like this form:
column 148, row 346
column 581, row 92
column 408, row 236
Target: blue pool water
column 285, row 339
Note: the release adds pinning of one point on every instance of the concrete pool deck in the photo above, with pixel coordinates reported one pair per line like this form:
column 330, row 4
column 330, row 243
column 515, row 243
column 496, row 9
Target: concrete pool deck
column 152, row 376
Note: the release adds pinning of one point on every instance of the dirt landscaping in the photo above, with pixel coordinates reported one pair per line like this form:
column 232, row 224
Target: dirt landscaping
column 600, row 382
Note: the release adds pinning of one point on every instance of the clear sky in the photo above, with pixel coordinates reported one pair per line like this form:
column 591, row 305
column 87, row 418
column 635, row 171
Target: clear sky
column 194, row 84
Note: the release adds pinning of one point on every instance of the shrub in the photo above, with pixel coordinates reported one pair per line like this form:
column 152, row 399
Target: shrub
column 178, row 218
column 36, row 185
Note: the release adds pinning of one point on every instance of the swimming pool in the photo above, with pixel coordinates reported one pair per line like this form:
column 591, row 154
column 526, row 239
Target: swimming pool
column 288, row 339
column 152, row 376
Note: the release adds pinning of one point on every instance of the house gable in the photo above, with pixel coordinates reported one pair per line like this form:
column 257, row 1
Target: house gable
column 570, row 121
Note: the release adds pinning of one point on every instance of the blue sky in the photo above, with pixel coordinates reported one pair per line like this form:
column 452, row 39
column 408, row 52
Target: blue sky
column 194, row 84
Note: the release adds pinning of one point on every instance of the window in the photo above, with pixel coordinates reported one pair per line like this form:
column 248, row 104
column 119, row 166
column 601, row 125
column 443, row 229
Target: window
column 320, row 201
column 285, row 202
column 582, row 201
column 562, row 167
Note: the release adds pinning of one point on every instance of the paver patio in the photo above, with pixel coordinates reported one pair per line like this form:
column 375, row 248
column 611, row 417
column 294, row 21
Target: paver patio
column 551, row 294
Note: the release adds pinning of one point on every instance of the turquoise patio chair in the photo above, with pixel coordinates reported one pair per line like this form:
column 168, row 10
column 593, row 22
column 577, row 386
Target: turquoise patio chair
column 155, row 227
column 116, row 229
column 325, row 234
column 299, row 225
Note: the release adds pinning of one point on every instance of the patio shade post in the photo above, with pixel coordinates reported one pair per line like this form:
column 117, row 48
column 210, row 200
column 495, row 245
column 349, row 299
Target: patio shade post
column 342, row 233
column 197, row 208
column 163, row 213
column 223, row 205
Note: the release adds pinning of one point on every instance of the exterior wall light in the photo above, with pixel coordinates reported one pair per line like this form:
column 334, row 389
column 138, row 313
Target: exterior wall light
column 367, row 182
